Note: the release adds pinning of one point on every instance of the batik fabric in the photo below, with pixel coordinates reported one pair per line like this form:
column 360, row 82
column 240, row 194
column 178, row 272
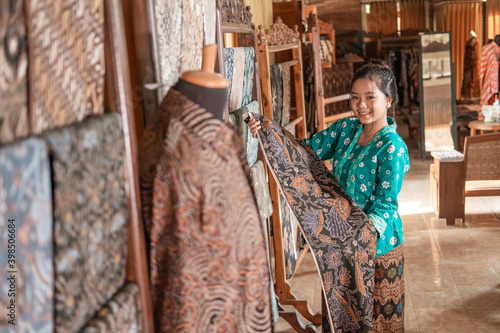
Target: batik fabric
column 276, row 92
column 389, row 292
column 120, row 314
column 239, row 63
column 208, row 260
column 90, row 217
column 14, row 122
column 488, row 76
column 27, row 224
column 67, row 67
column 339, row 234
column 250, row 143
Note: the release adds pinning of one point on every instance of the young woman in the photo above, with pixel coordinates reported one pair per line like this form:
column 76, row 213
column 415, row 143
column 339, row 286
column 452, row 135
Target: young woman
column 370, row 161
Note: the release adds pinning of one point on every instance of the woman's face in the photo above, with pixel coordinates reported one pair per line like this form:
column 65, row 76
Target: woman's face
column 369, row 103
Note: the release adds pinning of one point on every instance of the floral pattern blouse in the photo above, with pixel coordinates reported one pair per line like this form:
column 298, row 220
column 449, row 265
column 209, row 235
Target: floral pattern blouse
column 372, row 175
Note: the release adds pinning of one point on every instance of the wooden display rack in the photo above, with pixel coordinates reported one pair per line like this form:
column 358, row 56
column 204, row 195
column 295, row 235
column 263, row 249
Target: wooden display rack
column 281, row 38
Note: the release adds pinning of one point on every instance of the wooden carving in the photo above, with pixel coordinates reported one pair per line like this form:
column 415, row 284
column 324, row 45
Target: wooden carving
column 279, row 34
column 325, row 28
column 233, row 11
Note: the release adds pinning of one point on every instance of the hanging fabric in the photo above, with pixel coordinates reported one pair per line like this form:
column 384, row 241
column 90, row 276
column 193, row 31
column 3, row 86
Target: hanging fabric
column 67, row 61
column 90, row 217
column 339, row 234
column 277, row 92
column 120, row 314
column 250, row 143
column 287, row 89
column 14, row 122
column 202, row 223
column 26, row 208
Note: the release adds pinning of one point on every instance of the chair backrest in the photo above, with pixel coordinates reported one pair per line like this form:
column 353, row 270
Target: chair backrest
column 482, row 157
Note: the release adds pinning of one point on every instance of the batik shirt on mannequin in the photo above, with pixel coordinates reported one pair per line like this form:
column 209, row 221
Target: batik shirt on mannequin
column 377, row 168
column 208, row 258
column 488, row 77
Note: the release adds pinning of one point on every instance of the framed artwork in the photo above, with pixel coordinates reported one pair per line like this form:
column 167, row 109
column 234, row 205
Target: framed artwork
column 438, row 114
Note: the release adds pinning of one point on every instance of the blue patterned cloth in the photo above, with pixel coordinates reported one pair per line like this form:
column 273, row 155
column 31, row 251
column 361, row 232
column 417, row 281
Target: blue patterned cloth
column 250, row 143
column 277, row 92
column 248, row 76
column 228, row 66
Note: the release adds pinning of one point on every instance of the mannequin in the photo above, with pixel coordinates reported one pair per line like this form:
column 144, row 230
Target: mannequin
column 489, row 72
column 497, row 40
column 205, row 88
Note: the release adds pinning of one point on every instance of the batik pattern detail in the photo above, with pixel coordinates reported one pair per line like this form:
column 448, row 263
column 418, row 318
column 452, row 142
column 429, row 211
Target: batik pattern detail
column 67, row 48
column 236, row 96
column 208, row 260
column 228, row 66
column 26, row 198
column 14, row 121
column 248, row 75
column 250, row 143
column 339, row 234
column 389, row 292
column 337, row 81
column 276, row 92
column 289, row 229
column 120, row 314
column 90, row 217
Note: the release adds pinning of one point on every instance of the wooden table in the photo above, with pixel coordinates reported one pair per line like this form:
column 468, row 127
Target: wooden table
column 482, row 127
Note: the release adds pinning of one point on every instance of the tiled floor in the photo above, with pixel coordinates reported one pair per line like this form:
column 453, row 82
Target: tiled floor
column 452, row 273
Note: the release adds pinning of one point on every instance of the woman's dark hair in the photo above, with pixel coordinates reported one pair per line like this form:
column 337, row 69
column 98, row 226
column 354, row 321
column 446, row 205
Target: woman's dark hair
column 383, row 77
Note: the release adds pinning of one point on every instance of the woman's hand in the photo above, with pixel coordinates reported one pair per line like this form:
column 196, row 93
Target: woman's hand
column 254, row 127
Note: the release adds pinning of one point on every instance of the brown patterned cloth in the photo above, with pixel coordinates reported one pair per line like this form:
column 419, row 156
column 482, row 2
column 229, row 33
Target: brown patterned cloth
column 14, row 121
column 340, row 236
column 26, row 197
column 90, row 217
column 208, row 259
column 337, row 81
column 119, row 315
column 389, row 292
column 66, row 47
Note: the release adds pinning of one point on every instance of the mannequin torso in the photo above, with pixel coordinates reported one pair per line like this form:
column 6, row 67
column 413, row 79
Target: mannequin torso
column 212, row 99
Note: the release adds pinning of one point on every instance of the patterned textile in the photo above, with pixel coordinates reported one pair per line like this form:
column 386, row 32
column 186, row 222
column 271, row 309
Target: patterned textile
column 309, row 89
column 68, row 61
column 289, row 227
column 120, row 314
column 14, row 121
column 248, row 76
column 285, row 74
column 389, row 292
column 470, row 83
column 250, row 143
column 339, row 234
column 90, row 217
column 326, row 50
column 26, row 197
column 261, row 189
column 488, row 76
column 228, row 66
column 178, row 26
column 277, row 92
column 236, row 96
column 337, row 81
column 208, row 260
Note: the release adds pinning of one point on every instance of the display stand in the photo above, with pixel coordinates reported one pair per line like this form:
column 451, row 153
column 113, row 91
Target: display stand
column 281, row 38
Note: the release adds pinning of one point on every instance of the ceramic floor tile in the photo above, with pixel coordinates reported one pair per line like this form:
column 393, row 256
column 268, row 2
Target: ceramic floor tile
column 437, row 319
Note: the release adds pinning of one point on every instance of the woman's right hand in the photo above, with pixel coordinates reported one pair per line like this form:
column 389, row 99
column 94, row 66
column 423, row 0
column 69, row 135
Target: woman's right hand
column 254, row 127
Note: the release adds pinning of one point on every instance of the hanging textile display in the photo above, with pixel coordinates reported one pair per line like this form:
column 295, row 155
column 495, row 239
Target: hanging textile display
column 289, row 230
column 26, row 213
column 470, row 85
column 248, row 76
column 239, row 65
column 259, row 184
column 287, row 89
column 178, row 38
column 210, row 17
column 236, row 96
column 120, row 314
column 277, row 92
column 14, row 121
column 90, row 216
column 339, row 234
column 488, row 76
column 203, row 224
column 66, row 61
column 250, row 143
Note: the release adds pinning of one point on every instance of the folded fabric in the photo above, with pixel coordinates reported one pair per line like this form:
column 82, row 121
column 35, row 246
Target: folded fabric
column 248, row 76
column 27, row 224
column 250, row 143
column 339, row 234
column 239, row 63
column 90, row 216
column 120, row 314
column 236, row 96
column 261, row 190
